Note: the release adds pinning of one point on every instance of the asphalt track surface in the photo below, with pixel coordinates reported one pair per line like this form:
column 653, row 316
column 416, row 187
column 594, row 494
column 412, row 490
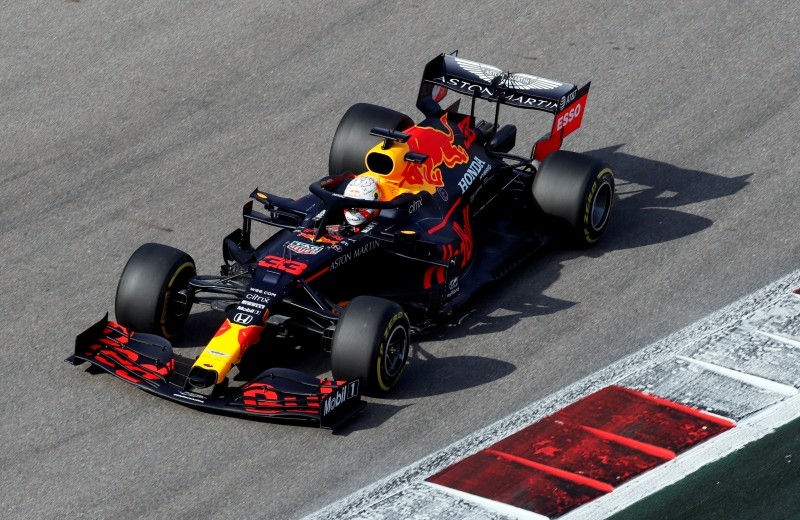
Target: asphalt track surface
column 122, row 124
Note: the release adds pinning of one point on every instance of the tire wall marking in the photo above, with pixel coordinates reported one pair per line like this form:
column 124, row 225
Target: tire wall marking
column 382, row 352
column 587, row 210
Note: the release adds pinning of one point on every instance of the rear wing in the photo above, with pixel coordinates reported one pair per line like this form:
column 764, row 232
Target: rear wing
column 565, row 100
column 492, row 84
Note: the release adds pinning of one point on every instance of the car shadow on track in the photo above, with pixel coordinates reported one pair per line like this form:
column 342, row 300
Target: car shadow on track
column 648, row 193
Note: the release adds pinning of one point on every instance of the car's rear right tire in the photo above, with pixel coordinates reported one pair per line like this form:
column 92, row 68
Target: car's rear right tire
column 576, row 190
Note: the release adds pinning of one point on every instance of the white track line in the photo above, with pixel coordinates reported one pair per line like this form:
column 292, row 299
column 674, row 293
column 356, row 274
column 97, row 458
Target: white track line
column 750, row 379
column 780, row 338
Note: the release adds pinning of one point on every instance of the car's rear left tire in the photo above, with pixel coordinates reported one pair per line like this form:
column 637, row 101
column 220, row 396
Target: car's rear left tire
column 151, row 295
column 352, row 140
column 371, row 343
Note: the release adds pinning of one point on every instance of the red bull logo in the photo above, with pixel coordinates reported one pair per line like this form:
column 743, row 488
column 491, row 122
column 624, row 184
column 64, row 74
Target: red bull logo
column 464, row 248
column 438, row 146
column 408, row 176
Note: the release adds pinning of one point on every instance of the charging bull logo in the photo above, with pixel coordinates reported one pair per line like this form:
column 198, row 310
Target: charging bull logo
column 462, row 248
column 438, row 146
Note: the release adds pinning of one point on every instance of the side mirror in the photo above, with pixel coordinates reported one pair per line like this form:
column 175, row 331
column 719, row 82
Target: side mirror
column 503, row 140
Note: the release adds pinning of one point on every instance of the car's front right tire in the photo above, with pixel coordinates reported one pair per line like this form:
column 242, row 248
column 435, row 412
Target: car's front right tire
column 371, row 343
column 151, row 295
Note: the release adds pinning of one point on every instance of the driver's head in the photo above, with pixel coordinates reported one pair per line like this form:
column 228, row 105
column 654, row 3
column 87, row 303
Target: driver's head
column 364, row 188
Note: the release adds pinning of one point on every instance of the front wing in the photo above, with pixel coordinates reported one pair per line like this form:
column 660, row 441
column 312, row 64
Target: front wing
column 147, row 361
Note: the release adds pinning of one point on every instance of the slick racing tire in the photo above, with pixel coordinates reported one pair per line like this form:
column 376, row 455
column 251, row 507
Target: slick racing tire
column 578, row 191
column 148, row 295
column 352, row 141
column 371, row 343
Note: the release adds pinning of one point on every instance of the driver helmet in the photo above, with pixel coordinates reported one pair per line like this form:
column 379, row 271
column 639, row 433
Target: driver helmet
column 364, row 188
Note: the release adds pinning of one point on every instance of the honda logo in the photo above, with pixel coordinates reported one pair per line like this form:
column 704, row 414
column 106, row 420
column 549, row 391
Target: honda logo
column 242, row 318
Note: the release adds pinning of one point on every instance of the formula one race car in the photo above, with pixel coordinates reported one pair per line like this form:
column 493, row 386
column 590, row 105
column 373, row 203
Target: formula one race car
column 411, row 221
